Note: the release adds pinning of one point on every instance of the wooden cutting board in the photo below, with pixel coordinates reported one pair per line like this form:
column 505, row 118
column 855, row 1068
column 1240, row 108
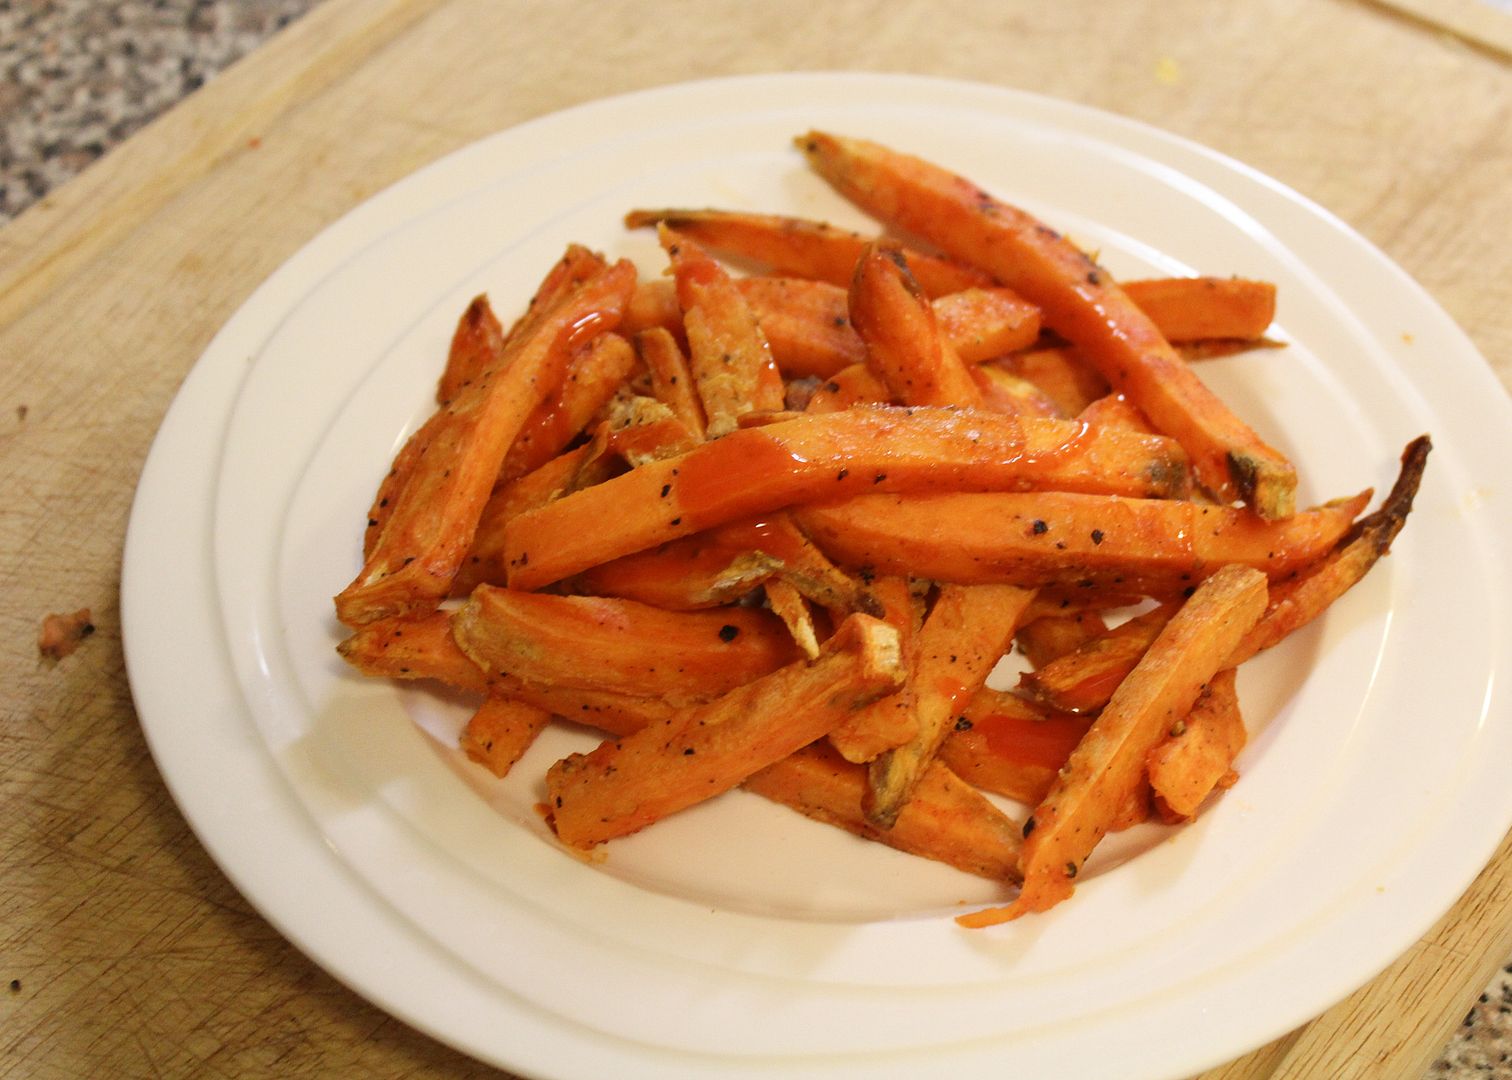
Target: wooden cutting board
column 129, row 952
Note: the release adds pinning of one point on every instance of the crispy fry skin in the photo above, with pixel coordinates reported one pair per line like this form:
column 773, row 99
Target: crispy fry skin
column 1010, row 746
column 1082, row 681
column 965, row 634
column 1049, row 637
column 476, row 345
column 1107, row 767
column 1197, row 754
column 500, row 731
column 849, row 387
column 594, row 373
column 671, row 378
column 626, row 784
column 799, row 248
column 1003, row 391
column 946, row 819
column 435, row 513
column 1200, row 308
column 1078, row 299
column 1158, row 547
column 904, row 346
column 618, row 645
column 731, row 363
column 888, row 721
column 829, row 456
column 1295, row 603
column 413, row 648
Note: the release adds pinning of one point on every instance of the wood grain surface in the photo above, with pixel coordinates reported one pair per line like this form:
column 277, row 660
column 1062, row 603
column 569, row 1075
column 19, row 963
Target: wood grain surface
column 123, row 949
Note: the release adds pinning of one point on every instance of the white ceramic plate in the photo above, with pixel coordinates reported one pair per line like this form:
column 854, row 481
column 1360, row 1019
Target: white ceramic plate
column 738, row 939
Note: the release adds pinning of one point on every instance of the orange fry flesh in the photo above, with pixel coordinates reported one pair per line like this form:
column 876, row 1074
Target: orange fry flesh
column 1202, row 308
column 1157, row 547
column 435, row 514
column 799, row 248
column 1011, row 747
column 1078, row 299
column 626, row 784
column 1197, row 754
column 946, row 819
column 1107, row 767
column 618, row 645
column 829, row 456
column 500, row 731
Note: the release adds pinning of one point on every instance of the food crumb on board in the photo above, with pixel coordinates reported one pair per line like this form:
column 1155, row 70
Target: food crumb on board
column 61, row 634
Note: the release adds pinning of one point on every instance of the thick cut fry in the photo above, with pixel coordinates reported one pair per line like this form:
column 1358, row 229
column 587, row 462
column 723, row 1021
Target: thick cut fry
column 1197, row 754
column 799, row 248
column 582, row 466
column 1078, row 299
column 852, row 386
column 830, row 456
column 1003, row 391
column 618, row 645
column 476, row 345
column 500, row 731
column 904, row 346
column 1085, row 682
column 1106, row 770
column 1082, row 681
column 1011, row 747
column 1049, row 637
column 413, row 648
column 1295, row 603
column 1157, row 547
column 964, row 635
column 985, row 323
column 642, row 429
column 593, row 375
column 1116, row 410
column 731, row 363
column 671, row 378
column 626, row 784
column 1059, row 373
column 417, row 553
column 1199, row 308
column 946, row 820
column 889, row 721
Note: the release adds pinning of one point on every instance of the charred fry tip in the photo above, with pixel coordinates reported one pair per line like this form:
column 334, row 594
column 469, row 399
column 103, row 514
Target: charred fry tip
column 1387, row 521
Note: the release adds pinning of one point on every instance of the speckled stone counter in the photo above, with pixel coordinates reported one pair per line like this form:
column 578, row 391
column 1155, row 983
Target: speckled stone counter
column 79, row 76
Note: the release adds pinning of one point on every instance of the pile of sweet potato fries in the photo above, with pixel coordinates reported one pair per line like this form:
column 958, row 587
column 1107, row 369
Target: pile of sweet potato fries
column 773, row 528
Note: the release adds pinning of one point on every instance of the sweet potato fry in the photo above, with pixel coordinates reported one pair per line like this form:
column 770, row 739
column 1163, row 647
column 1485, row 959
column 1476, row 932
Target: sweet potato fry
column 799, row 248
column 829, row 456
column 985, row 323
column 1078, row 299
column 904, row 347
column 806, row 323
column 963, row 636
column 1116, row 410
column 1197, row 754
column 1002, row 391
column 594, row 373
column 476, row 345
column 1059, row 373
column 500, row 731
column 1157, row 547
column 889, row 721
column 1011, row 747
column 1198, row 308
column 629, row 648
column 855, row 385
column 417, row 553
column 1297, row 602
column 1082, row 681
column 642, row 429
column 946, row 819
column 731, row 363
column 1107, row 767
column 1049, row 637
column 625, row 784
column 413, row 648
column 671, row 378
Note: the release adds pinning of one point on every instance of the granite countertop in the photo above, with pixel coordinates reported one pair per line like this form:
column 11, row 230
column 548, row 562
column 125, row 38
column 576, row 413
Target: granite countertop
column 79, row 76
